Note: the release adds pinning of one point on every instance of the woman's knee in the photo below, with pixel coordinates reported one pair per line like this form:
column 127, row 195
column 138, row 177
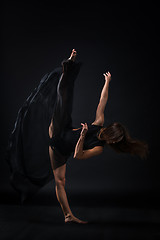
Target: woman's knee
column 59, row 175
column 60, row 182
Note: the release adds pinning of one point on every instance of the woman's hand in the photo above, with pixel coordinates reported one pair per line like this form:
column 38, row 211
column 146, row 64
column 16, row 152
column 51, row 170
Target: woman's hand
column 84, row 129
column 107, row 76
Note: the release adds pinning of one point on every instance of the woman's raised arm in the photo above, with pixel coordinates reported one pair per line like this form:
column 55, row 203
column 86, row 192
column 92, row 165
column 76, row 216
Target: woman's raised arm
column 103, row 100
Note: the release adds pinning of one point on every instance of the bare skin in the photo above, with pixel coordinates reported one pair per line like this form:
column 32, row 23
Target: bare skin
column 60, row 171
column 73, row 55
column 59, row 176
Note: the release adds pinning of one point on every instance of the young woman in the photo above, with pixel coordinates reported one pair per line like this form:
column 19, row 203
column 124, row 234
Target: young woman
column 45, row 121
column 84, row 142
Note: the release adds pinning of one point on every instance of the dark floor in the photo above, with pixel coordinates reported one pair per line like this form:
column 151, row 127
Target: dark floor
column 110, row 217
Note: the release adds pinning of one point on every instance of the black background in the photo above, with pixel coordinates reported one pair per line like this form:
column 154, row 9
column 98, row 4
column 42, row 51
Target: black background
column 37, row 36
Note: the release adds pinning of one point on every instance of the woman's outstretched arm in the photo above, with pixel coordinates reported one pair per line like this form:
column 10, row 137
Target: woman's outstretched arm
column 103, row 100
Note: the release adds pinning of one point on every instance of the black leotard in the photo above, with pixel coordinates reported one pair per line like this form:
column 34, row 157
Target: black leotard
column 66, row 142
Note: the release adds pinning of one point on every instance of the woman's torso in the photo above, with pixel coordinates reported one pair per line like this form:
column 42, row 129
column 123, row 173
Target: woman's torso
column 66, row 142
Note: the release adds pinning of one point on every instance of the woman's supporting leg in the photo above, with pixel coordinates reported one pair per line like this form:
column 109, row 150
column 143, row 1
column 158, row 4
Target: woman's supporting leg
column 59, row 175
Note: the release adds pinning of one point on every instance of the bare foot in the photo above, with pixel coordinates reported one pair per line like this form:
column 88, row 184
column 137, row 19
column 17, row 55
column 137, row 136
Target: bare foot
column 72, row 219
column 73, row 55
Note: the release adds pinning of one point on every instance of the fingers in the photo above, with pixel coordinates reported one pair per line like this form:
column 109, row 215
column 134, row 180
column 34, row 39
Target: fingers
column 84, row 125
column 107, row 74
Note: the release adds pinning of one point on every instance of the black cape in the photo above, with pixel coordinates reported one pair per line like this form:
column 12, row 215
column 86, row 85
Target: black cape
column 27, row 151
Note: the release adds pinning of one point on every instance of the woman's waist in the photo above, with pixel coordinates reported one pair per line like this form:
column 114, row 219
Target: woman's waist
column 62, row 146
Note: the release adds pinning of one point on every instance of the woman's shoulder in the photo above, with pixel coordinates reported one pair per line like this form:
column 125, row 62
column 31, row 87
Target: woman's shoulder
column 97, row 123
column 93, row 124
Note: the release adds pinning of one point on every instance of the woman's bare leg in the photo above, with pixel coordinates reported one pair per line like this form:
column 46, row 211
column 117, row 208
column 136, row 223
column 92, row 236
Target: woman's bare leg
column 59, row 175
column 63, row 110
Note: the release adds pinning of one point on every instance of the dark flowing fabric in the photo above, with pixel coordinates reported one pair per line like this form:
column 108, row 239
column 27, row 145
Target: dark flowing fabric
column 28, row 146
column 62, row 119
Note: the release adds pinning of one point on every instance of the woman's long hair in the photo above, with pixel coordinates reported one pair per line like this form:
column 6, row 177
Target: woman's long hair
column 118, row 138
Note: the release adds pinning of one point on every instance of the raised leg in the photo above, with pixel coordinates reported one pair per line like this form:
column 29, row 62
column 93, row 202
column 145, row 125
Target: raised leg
column 63, row 108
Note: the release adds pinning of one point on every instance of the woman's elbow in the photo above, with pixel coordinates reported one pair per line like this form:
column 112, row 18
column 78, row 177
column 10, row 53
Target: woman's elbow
column 78, row 156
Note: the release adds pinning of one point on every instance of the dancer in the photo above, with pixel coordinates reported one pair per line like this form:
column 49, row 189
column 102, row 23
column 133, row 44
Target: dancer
column 84, row 142
column 45, row 121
